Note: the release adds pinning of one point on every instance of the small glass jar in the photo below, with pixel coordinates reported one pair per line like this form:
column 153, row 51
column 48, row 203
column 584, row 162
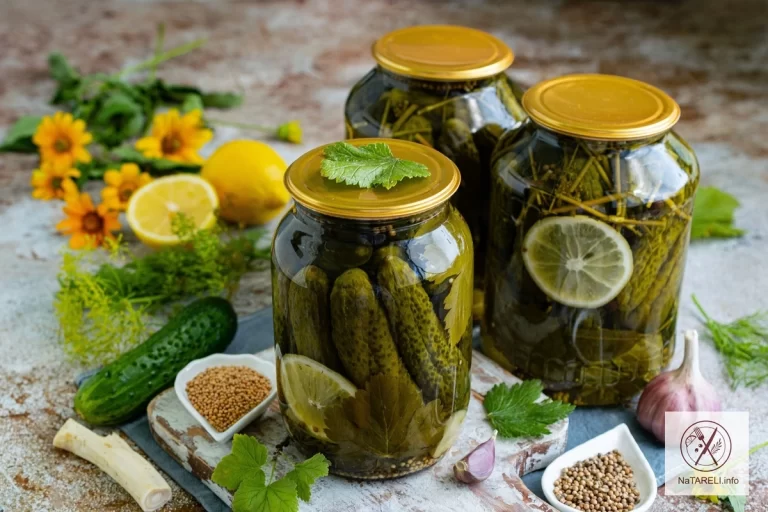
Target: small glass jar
column 445, row 87
column 590, row 221
column 372, row 298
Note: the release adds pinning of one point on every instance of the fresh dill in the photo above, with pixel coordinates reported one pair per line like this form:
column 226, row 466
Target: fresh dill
column 105, row 312
column 744, row 344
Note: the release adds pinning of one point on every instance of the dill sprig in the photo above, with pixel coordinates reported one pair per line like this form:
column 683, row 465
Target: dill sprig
column 744, row 343
column 104, row 313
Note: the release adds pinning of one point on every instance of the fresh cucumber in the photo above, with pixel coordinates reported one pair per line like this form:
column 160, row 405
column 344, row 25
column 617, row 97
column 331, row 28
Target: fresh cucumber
column 121, row 390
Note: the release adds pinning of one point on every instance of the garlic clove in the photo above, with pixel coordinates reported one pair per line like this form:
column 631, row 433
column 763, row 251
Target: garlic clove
column 478, row 464
column 680, row 390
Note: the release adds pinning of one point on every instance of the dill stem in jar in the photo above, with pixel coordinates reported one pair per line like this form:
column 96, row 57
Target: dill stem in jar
column 581, row 174
column 403, row 118
column 620, row 205
column 384, row 116
column 653, row 194
column 421, row 139
column 680, row 213
column 534, row 174
column 592, row 202
column 614, row 219
column 429, row 108
column 598, row 165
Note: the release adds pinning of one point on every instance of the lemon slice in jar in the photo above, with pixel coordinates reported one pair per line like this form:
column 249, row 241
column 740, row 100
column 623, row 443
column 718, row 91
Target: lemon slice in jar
column 577, row 261
column 309, row 388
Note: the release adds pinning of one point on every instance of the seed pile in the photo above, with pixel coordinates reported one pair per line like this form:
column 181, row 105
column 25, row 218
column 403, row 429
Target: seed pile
column 603, row 483
column 224, row 394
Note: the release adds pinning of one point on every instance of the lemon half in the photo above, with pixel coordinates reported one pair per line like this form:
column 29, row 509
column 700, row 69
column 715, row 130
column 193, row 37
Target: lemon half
column 309, row 388
column 152, row 208
column 577, row 261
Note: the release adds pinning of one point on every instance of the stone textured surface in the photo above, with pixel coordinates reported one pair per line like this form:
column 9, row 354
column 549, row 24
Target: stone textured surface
column 182, row 437
column 298, row 60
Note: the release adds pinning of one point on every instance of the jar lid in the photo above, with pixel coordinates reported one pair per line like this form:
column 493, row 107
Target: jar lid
column 409, row 197
column 442, row 52
column 601, row 107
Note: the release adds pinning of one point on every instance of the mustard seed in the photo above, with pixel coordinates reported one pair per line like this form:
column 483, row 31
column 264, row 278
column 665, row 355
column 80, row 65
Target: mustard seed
column 224, row 394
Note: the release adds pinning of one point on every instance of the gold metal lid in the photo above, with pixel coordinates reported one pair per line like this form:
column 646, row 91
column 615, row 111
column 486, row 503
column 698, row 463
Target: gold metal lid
column 601, row 107
column 409, row 197
column 442, row 52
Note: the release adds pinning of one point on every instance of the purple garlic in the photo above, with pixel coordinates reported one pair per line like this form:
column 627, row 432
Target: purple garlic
column 478, row 464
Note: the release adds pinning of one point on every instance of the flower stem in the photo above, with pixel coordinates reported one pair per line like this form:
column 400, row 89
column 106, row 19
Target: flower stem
column 272, row 473
column 244, row 126
column 159, row 59
column 158, row 49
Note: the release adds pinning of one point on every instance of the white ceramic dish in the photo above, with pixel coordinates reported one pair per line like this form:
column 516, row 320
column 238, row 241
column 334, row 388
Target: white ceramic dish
column 618, row 438
column 192, row 369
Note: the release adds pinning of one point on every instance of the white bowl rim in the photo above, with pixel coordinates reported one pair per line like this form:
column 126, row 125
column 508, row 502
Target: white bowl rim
column 193, row 368
column 583, row 451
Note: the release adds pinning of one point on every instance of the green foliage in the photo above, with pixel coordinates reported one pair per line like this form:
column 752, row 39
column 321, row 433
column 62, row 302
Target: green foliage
column 387, row 419
column 241, row 471
column 19, row 136
column 744, row 344
column 102, row 314
column 515, row 412
column 368, row 166
column 713, row 214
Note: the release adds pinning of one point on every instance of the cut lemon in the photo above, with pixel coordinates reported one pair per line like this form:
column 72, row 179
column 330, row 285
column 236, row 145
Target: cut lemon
column 309, row 388
column 152, row 208
column 577, row 261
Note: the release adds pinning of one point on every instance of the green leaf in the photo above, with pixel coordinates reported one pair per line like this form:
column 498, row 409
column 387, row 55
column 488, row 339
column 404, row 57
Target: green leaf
column 514, row 412
column 175, row 94
column 388, row 418
column 115, row 117
column 713, row 214
column 305, row 473
column 154, row 166
column 254, row 496
column 367, row 166
column 192, row 102
column 738, row 503
column 19, row 136
column 60, row 70
column 222, row 99
column 247, row 457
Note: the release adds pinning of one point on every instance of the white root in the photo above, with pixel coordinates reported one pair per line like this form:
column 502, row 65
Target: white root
column 117, row 459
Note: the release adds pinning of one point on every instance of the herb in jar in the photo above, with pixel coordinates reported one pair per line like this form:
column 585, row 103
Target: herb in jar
column 224, row 394
column 604, row 482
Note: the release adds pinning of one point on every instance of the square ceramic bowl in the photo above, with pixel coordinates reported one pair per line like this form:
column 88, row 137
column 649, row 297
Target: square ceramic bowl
column 618, row 438
column 197, row 366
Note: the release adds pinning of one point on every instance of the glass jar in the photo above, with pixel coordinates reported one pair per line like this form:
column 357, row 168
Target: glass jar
column 372, row 298
column 590, row 222
column 445, row 87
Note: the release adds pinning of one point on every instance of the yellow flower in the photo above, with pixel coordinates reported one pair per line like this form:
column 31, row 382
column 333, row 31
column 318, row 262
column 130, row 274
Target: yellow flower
column 122, row 184
column 53, row 180
column 176, row 137
column 290, row 132
column 89, row 225
column 62, row 139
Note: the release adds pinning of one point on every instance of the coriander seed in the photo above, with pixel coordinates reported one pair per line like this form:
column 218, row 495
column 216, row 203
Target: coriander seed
column 603, row 482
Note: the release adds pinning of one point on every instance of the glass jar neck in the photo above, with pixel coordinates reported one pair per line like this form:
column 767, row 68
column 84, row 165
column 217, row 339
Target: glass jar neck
column 406, row 82
column 595, row 146
column 376, row 226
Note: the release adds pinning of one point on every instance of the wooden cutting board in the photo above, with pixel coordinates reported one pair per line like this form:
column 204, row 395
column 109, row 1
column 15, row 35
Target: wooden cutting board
column 432, row 489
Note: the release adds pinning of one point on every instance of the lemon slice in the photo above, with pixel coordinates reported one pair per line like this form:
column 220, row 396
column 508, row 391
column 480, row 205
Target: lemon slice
column 309, row 387
column 152, row 207
column 577, row 261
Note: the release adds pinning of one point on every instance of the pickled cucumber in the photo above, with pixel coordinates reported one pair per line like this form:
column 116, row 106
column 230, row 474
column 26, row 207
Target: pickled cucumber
column 430, row 359
column 280, row 286
column 310, row 316
column 360, row 331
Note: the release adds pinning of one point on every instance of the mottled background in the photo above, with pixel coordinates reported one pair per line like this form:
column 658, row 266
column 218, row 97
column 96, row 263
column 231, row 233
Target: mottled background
column 298, row 60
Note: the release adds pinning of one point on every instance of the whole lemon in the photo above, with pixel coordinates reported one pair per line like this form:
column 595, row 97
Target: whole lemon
column 248, row 178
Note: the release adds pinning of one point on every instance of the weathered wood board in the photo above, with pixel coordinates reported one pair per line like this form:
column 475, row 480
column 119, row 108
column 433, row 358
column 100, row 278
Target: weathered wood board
column 432, row 489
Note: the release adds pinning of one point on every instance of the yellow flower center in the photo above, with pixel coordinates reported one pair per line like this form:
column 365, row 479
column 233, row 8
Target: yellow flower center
column 126, row 191
column 62, row 145
column 170, row 144
column 92, row 223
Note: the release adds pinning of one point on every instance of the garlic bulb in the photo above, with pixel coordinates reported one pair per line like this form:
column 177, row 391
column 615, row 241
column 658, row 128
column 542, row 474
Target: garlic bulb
column 684, row 389
column 478, row 464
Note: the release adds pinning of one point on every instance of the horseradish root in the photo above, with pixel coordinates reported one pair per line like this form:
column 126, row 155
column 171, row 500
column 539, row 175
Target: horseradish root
column 117, row 459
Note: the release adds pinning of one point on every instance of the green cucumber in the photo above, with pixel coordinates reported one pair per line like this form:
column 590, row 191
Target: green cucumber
column 121, row 390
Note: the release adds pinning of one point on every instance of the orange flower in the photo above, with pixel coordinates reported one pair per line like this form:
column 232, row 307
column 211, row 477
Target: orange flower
column 53, row 180
column 89, row 225
column 176, row 137
column 62, row 140
column 122, row 184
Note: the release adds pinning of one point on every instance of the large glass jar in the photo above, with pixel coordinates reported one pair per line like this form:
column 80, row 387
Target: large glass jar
column 372, row 297
column 445, row 87
column 590, row 221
